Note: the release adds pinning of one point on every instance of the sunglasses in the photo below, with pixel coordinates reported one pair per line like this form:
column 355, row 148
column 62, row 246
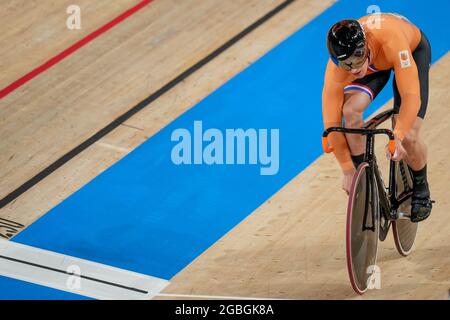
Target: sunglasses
column 356, row 61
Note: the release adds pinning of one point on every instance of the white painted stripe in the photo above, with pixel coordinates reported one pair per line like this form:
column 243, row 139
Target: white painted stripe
column 91, row 279
column 359, row 88
column 174, row 295
column 113, row 147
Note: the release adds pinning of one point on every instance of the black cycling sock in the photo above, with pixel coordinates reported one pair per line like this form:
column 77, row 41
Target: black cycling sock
column 420, row 180
column 357, row 160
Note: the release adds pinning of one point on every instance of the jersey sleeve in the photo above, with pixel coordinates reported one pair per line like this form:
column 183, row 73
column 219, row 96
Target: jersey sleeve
column 332, row 104
column 399, row 54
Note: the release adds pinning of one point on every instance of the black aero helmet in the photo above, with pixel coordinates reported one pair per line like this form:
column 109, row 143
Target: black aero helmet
column 346, row 39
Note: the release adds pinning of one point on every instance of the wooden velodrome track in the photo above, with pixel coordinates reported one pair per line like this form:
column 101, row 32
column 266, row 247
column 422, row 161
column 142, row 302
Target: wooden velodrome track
column 290, row 247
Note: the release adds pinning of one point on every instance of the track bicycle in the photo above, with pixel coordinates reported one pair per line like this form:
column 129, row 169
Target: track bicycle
column 373, row 207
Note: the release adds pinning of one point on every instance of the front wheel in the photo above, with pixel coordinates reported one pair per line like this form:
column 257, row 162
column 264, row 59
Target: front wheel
column 362, row 230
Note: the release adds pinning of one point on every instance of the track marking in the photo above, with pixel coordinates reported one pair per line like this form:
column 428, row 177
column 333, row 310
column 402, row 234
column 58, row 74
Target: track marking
column 9, row 228
column 75, row 275
column 75, row 47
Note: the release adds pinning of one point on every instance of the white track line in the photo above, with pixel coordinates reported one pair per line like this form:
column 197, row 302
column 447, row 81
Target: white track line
column 75, row 275
column 174, row 295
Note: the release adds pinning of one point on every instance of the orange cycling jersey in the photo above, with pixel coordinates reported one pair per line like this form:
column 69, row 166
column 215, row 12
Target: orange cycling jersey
column 391, row 39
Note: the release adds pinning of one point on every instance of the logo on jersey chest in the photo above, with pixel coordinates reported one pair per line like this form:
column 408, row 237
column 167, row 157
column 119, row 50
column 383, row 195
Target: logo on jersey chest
column 405, row 60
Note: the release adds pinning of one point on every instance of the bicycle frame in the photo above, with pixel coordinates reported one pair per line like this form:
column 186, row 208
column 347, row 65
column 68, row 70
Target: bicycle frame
column 389, row 202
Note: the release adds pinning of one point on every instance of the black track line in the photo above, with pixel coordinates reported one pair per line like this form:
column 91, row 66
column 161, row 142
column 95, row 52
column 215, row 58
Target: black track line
column 141, row 105
column 72, row 274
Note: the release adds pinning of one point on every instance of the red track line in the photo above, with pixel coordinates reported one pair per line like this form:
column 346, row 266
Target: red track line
column 54, row 60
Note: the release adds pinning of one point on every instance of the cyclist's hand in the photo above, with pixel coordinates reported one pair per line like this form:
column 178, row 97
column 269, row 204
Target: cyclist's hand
column 400, row 152
column 347, row 180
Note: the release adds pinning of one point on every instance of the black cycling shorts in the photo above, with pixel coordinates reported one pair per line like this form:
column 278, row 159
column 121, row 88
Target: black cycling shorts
column 373, row 84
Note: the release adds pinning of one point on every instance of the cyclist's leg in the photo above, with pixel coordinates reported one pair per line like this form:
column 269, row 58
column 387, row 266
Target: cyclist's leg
column 354, row 105
column 414, row 145
column 358, row 96
column 413, row 142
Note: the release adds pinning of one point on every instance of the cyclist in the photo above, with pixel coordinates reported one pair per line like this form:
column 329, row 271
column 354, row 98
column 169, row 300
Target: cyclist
column 362, row 54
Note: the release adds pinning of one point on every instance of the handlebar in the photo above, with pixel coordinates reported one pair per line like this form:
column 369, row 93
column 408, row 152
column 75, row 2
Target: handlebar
column 328, row 149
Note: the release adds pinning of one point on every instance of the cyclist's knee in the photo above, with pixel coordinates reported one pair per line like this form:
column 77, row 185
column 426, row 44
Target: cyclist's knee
column 352, row 116
column 412, row 138
column 354, row 106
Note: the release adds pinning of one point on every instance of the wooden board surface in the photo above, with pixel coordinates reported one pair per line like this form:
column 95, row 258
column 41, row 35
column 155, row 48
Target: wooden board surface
column 35, row 30
column 80, row 95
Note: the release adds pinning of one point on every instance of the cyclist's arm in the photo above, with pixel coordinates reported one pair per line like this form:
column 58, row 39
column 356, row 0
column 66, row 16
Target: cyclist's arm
column 407, row 79
column 332, row 104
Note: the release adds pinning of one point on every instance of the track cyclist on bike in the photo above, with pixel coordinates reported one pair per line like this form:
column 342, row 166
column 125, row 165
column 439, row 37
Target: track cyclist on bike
column 362, row 54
